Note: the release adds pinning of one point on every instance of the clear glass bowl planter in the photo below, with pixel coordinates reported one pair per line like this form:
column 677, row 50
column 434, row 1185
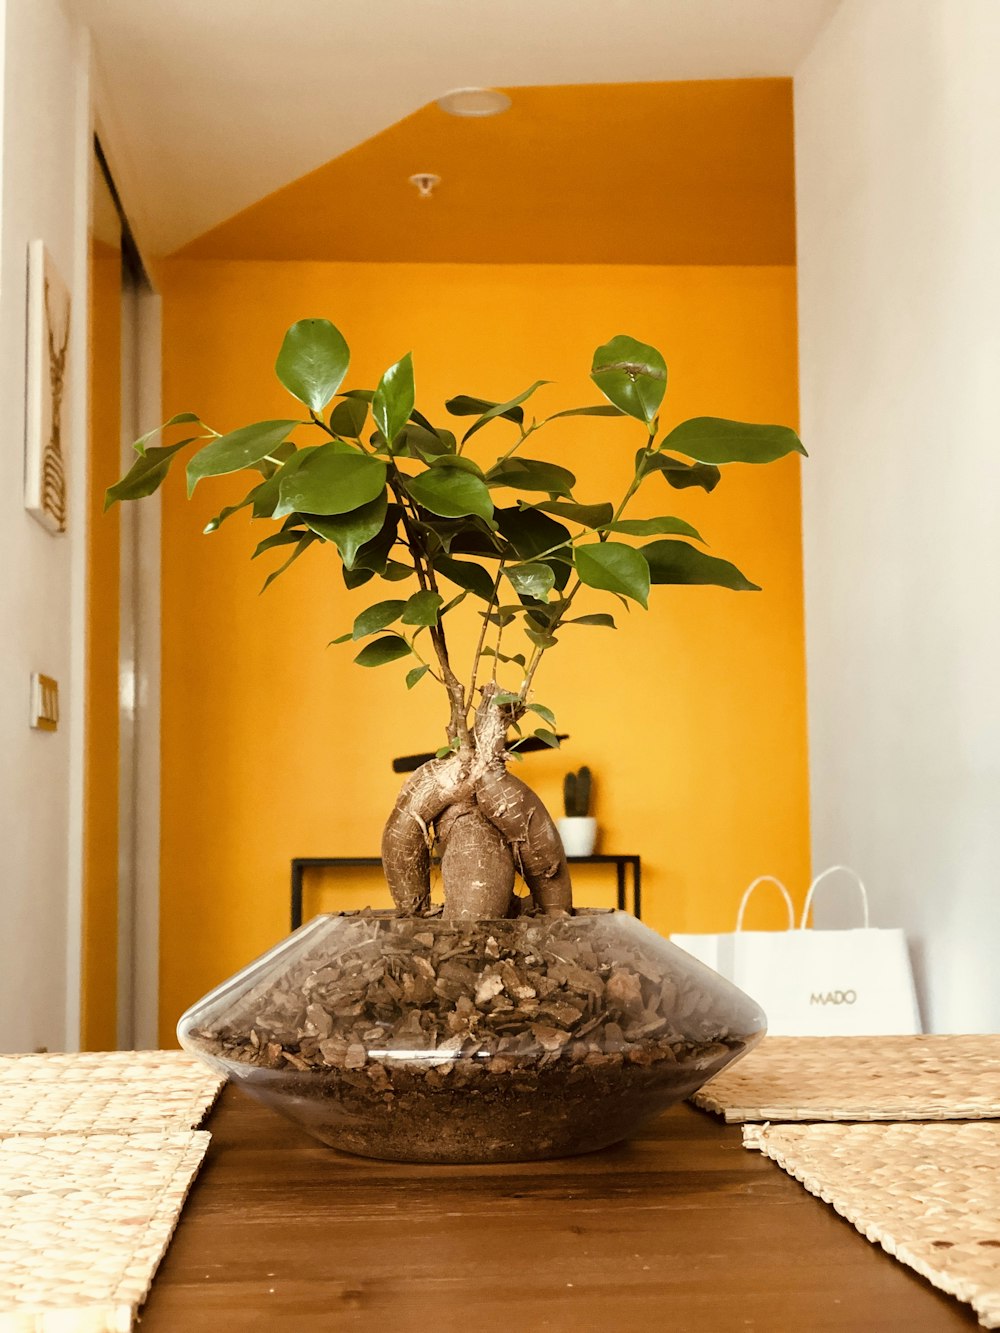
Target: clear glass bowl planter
column 428, row 1040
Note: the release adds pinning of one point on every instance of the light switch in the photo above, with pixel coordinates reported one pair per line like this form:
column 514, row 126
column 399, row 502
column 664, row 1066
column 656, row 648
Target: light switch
column 44, row 702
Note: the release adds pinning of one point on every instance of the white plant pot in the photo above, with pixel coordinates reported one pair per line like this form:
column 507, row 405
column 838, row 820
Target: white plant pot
column 578, row 833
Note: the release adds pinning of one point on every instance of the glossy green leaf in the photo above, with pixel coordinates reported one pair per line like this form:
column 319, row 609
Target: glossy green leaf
column 589, row 516
column 265, row 497
column 541, row 638
column 614, row 567
column 460, row 461
column 533, row 580
column 631, row 375
column 312, row 362
column 465, row 405
column 354, row 578
column 531, row 474
column 677, row 562
column 286, row 537
column 654, row 527
column 303, row 545
column 395, row 572
column 531, row 532
column 415, row 675
column 389, row 649
column 178, row 419
column 349, row 532
column 598, row 410
column 145, row 476
column 498, row 410
column 227, row 512
column 546, row 714
column 348, row 418
column 416, row 441
column 547, row 737
column 239, row 449
column 678, row 474
column 335, row 479
column 374, row 554
column 598, row 618
column 376, row 618
column 466, row 575
column 450, row 492
column 393, row 400
column 422, row 609
column 715, row 440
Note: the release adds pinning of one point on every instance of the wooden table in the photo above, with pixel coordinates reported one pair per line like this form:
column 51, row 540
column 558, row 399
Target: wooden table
column 681, row 1229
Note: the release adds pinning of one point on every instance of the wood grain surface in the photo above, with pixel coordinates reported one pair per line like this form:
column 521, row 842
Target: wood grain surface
column 682, row 1229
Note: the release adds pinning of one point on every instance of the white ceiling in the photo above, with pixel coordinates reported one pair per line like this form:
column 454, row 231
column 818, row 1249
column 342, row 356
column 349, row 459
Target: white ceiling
column 208, row 105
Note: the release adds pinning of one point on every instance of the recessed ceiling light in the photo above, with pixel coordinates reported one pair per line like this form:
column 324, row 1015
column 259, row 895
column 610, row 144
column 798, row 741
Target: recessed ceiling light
column 474, row 102
column 425, row 182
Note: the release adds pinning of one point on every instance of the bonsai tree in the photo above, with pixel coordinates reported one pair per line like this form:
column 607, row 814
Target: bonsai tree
column 452, row 532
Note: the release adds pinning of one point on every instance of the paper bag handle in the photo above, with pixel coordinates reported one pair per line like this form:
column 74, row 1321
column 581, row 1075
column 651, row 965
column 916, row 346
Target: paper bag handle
column 819, row 879
column 766, row 879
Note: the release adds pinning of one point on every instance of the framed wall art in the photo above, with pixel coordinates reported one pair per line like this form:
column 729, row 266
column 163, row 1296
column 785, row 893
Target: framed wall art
column 46, row 430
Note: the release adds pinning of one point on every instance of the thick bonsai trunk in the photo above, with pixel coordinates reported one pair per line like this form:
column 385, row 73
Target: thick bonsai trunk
column 485, row 822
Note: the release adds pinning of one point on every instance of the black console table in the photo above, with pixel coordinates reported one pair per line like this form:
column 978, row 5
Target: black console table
column 621, row 863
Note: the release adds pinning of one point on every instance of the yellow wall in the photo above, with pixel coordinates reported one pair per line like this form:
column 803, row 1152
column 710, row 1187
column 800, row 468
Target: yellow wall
column 692, row 716
column 100, row 885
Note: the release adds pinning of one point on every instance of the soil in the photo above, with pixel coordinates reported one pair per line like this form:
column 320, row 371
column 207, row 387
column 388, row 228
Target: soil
column 431, row 1040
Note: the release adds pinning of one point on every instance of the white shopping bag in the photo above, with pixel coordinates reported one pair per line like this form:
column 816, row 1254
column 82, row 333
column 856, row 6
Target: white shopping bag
column 817, row 983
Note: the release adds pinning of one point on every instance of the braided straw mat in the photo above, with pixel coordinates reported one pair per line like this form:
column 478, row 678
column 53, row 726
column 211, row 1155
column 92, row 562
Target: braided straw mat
column 84, row 1220
column 860, row 1078
column 928, row 1194
column 104, row 1092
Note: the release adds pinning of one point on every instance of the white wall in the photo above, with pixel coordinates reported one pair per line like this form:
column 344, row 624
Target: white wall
column 44, row 180
column 898, row 163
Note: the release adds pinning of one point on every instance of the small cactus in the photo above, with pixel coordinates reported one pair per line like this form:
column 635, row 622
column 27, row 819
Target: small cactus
column 576, row 793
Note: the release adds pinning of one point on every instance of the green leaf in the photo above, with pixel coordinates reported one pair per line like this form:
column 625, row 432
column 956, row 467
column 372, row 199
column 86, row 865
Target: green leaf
column 393, row 400
column 237, row 450
column 395, row 572
column 590, row 516
column 416, row 441
column 678, row 474
column 145, row 476
column 546, row 714
column 416, row 674
column 312, row 362
column 497, row 409
column 376, row 618
column 715, row 440
column 599, row 618
column 179, row 419
column 354, row 578
column 677, row 562
column 350, row 531
column 599, row 410
column 335, row 479
column 450, row 492
column 531, row 532
column 465, row 405
column 265, row 496
column 531, row 474
column 614, row 567
column 215, row 523
column 467, row 575
column 540, row 638
column 389, row 649
column 374, row 554
column 457, row 460
column 631, row 375
column 517, row 658
column 348, row 418
column 422, row 609
column 652, row 527
column 543, row 734
column 284, row 538
column 303, row 545
column 533, row 580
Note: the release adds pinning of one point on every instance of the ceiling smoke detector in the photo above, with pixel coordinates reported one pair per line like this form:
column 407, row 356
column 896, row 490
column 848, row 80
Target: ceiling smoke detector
column 425, row 181
column 474, row 102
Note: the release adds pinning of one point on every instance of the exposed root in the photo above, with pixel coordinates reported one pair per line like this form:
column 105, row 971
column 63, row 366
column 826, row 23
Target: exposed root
column 405, row 841
column 477, row 866
column 526, row 826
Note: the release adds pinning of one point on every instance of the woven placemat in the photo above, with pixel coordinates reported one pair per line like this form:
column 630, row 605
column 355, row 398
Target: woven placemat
column 860, row 1078
column 84, row 1221
column 928, row 1194
column 104, row 1092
